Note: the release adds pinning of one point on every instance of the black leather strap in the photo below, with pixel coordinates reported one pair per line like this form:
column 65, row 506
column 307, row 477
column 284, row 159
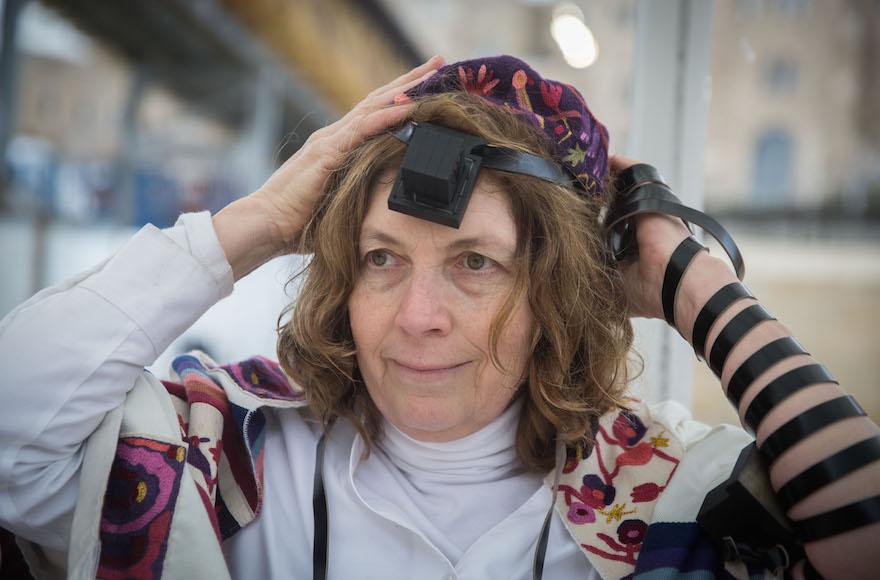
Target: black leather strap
column 678, row 263
column 319, row 508
column 843, row 519
column 733, row 332
column 714, row 307
column 829, row 469
column 808, row 423
column 782, row 387
column 658, row 198
column 763, row 359
column 541, row 549
column 544, row 537
column 636, row 175
column 512, row 161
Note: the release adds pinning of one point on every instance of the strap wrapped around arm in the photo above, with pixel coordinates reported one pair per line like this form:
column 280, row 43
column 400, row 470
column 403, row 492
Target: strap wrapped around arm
column 828, row 470
column 715, row 307
column 751, row 369
column 837, row 521
column 782, row 387
column 807, row 423
column 679, row 261
column 735, row 330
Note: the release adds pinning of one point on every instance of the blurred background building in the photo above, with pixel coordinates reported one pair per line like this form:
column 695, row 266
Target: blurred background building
column 765, row 112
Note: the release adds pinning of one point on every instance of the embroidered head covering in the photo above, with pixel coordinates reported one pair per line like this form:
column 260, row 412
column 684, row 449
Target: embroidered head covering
column 579, row 140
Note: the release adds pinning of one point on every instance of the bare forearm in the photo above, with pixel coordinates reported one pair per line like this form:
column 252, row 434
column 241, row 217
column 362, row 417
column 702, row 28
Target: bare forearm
column 247, row 237
column 844, row 555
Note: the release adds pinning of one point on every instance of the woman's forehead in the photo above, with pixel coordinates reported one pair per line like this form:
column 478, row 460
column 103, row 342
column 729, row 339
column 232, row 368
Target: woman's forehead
column 488, row 218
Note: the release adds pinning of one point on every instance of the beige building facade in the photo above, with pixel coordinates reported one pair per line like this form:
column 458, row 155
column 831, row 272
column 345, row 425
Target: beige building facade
column 790, row 93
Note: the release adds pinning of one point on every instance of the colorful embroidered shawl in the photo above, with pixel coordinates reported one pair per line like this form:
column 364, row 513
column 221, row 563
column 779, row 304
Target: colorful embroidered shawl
column 607, row 492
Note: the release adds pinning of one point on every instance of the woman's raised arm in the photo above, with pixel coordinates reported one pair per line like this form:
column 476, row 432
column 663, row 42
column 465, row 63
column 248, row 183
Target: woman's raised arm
column 268, row 222
column 849, row 554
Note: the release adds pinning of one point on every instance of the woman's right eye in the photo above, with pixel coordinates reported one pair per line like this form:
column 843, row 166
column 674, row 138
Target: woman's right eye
column 379, row 258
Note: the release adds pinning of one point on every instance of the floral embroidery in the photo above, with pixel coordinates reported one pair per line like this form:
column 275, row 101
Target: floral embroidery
column 575, row 156
column 552, row 95
column 646, row 492
column 591, row 184
column 632, row 459
column 631, row 532
column 603, row 494
column 638, row 455
column 141, row 495
column 616, row 513
column 580, row 513
column 630, row 535
column 519, row 82
column 659, row 440
column 484, row 83
column 630, row 427
column 263, row 378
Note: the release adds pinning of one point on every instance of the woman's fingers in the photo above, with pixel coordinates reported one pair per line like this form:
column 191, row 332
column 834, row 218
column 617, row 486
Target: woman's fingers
column 370, row 124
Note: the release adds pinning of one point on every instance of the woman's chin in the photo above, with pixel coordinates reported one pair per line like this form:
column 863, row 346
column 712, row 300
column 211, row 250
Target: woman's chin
column 434, row 421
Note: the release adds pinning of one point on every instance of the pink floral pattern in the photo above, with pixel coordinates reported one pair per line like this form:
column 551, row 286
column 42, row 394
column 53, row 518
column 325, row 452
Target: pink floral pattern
column 483, row 84
column 608, row 493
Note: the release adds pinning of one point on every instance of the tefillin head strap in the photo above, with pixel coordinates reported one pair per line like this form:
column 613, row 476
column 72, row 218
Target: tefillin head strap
column 440, row 168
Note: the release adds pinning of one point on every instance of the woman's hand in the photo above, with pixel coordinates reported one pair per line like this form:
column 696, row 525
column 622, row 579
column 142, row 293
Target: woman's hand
column 657, row 236
column 267, row 223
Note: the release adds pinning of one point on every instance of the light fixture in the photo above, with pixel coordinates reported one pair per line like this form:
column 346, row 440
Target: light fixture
column 575, row 40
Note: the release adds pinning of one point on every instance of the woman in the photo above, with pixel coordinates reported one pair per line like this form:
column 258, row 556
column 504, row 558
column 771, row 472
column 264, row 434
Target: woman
column 459, row 381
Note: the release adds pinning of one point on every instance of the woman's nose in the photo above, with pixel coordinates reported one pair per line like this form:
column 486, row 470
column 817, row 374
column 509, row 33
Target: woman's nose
column 422, row 307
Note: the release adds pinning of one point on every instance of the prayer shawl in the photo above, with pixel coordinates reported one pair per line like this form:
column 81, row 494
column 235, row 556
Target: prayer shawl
column 187, row 473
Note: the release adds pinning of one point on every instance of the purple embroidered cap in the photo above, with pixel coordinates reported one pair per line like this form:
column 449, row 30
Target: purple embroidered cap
column 558, row 110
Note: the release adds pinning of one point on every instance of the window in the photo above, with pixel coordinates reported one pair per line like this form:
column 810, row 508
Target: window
column 774, row 154
column 781, row 76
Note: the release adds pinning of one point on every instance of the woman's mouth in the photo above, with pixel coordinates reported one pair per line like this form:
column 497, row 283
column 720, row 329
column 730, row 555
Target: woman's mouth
column 424, row 370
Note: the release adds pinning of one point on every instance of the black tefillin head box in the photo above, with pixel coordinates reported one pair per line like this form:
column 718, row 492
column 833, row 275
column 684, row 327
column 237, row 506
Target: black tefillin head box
column 437, row 175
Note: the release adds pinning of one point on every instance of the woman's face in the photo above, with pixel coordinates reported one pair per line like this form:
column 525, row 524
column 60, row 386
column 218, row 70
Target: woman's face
column 421, row 310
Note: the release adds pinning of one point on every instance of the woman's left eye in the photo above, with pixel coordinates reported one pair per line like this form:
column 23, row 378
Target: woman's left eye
column 379, row 258
column 475, row 261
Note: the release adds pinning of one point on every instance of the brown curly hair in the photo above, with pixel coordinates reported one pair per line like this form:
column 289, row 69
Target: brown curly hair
column 578, row 367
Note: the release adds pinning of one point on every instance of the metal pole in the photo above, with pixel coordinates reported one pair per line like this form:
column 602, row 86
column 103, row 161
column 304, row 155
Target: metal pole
column 668, row 130
column 11, row 9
